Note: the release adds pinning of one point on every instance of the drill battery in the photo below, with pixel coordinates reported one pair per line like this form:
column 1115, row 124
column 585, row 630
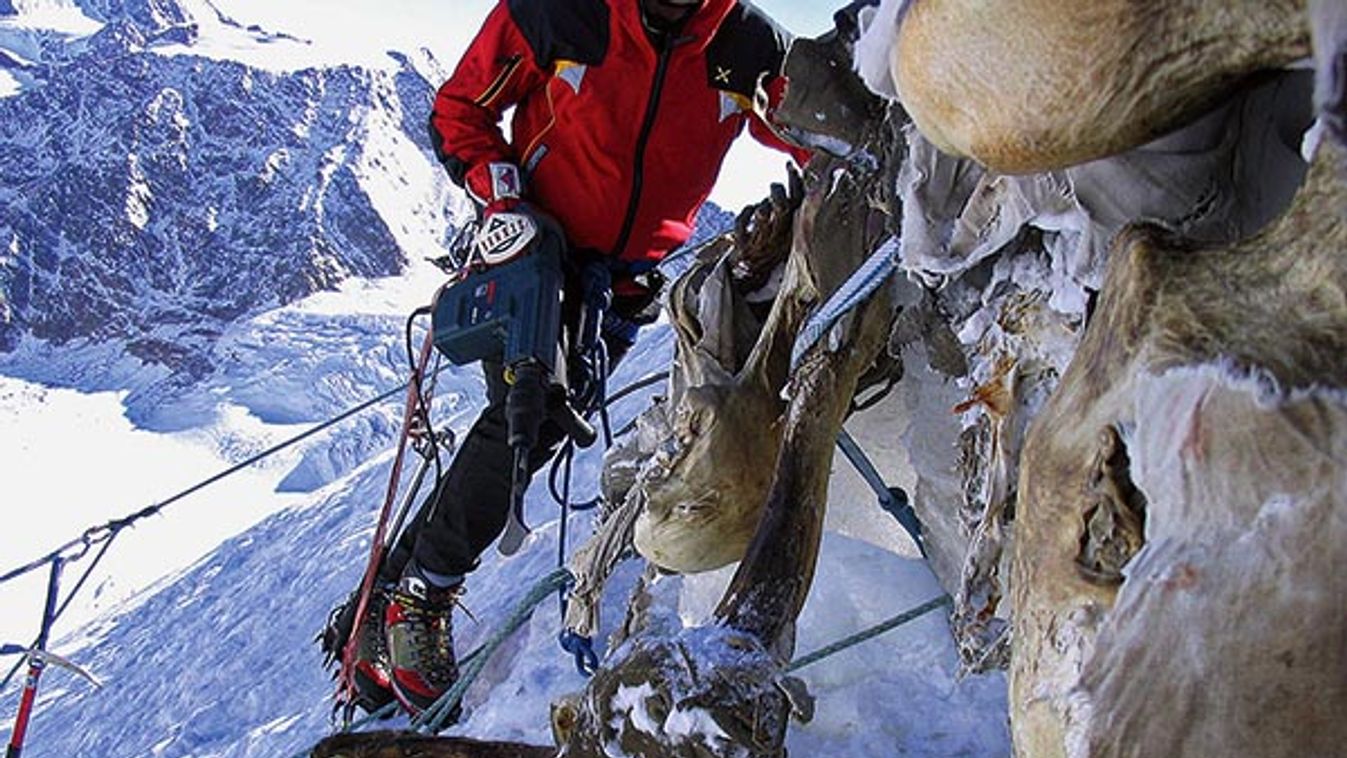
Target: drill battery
column 506, row 314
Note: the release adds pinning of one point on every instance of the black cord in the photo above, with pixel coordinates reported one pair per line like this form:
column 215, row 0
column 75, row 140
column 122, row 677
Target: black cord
column 565, row 521
column 422, row 410
column 637, row 386
column 70, row 597
column 601, row 395
column 565, row 457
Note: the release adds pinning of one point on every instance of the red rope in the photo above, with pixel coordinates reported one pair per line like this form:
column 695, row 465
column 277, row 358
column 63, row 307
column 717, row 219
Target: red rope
column 416, row 402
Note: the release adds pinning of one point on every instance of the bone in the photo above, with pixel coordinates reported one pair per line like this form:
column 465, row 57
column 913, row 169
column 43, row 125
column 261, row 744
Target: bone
column 705, row 492
column 1035, row 85
column 771, row 584
column 1225, row 367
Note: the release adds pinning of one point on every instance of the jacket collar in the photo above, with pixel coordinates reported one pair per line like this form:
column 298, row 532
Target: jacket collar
column 699, row 29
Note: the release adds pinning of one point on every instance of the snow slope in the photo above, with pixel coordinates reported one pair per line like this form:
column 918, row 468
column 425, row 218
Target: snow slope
column 221, row 661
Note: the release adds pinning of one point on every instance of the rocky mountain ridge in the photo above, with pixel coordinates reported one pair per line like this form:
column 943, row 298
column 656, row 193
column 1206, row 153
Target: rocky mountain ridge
column 153, row 198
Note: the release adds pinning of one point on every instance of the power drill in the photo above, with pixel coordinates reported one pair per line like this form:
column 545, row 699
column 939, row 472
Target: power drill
column 511, row 314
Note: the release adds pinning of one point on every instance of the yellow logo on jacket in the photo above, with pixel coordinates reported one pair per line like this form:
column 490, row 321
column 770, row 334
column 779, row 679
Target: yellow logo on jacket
column 570, row 72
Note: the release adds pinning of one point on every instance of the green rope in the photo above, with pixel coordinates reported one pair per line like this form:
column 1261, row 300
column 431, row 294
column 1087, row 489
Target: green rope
column 432, row 720
column 388, row 710
column 872, row 632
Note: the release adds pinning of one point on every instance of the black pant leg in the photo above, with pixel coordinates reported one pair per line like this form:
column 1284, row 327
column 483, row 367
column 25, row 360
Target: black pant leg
column 469, row 507
column 467, row 511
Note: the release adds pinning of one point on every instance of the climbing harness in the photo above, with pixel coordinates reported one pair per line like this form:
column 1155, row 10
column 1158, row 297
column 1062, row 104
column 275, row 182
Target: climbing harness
column 876, row 269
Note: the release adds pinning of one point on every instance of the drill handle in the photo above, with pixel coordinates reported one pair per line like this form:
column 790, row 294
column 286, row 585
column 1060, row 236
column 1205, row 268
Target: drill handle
column 564, row 415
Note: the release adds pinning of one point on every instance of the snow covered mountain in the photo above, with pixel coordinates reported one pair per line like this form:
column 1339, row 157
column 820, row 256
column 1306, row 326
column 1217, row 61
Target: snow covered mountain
column 153, row 196
column 196, row 212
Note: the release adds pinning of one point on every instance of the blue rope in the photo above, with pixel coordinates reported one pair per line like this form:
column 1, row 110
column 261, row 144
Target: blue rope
column 868, row 634
column 860, row 285
column 892, row 499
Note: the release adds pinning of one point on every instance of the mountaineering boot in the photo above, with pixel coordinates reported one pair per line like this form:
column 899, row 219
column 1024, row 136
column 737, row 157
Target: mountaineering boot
column 372, row 688
column 420, row 635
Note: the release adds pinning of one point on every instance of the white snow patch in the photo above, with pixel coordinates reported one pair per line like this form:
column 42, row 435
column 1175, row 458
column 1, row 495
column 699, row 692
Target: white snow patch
column 332, row 160
column 138, row 194
column 410, row 192
column 273, row 727
column 61, row 16
column 831, row 145
column 9, row 84
column 1309, row 144
column 694, row 725
column 631, row 701
column 119, row 470
column 300, row 34
column 276, row 161
column 170, row 100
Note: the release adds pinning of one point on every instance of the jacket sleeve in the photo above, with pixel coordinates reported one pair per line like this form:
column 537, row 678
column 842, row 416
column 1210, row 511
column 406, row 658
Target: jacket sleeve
column 762, row 127
column 496, row 72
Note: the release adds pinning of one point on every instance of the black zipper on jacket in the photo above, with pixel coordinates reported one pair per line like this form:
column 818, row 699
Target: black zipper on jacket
column 638, row 168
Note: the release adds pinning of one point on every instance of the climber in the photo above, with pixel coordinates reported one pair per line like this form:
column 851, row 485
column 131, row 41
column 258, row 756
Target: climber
column 623, row 113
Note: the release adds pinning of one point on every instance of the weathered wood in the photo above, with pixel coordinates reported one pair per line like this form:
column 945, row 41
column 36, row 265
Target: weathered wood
column 397, row 744
column 1034, row 85
column 1223, row 635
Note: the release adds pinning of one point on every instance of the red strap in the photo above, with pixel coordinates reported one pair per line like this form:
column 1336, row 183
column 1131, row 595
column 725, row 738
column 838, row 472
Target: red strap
column 346, row 680
column 495, row 184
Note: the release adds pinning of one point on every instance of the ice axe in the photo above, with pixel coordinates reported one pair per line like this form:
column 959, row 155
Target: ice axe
column 49, row 658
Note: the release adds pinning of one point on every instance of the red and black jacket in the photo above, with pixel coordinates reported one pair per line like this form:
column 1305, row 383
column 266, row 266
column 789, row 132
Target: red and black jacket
column 619, row 139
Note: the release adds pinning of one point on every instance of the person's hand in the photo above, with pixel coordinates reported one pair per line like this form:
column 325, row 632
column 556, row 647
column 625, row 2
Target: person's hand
column 504, row 235
column 509, row 225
